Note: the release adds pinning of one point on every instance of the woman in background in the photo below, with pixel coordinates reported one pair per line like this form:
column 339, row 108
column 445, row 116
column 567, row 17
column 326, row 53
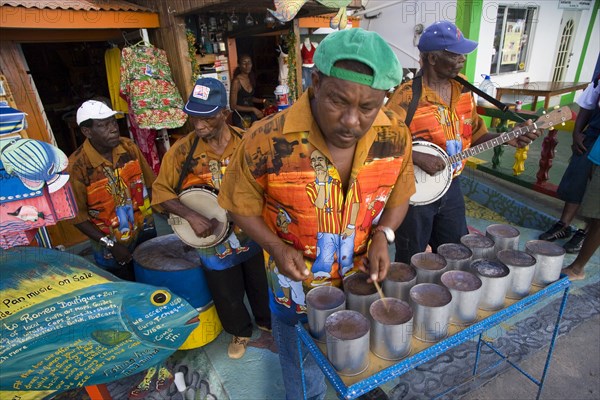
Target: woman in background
column 242, row 100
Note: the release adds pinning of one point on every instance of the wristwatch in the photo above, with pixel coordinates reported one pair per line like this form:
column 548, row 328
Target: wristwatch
column 390, row 236
column 107, row 242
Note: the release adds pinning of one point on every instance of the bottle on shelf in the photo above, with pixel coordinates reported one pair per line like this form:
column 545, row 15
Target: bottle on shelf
column 488, row 87
column 215, row 44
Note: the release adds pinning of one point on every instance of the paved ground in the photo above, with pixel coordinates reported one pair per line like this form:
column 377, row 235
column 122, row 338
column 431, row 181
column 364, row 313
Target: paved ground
column 574, row 372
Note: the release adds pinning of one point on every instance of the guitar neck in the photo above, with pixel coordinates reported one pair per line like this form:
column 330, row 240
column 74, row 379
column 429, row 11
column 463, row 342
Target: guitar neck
column 490, row 144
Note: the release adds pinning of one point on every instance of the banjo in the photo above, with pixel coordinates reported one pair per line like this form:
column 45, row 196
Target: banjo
column 203, row 200
column 431, row 188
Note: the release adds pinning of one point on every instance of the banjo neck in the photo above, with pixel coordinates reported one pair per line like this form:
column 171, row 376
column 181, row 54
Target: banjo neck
column 490, row 144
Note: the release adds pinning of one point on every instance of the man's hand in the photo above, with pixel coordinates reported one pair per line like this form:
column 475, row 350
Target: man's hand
column 526, row 139
column 429, row 163
column 202, row 226
column 377, row 262
column 289, row 261
column 577, row 146
column 121, row 254
column 259, row 114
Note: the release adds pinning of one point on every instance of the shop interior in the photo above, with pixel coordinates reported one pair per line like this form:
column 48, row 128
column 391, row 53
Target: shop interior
column 65, row 75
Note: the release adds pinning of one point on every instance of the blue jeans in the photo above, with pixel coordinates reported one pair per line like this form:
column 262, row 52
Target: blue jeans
column 330, row 244
column 287, row 342
column 440, row 222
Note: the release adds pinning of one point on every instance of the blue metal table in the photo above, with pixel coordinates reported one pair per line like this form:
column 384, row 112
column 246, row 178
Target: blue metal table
column 384, row 371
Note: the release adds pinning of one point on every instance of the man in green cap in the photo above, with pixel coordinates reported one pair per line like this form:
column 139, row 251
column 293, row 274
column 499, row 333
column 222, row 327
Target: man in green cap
column 323, row 161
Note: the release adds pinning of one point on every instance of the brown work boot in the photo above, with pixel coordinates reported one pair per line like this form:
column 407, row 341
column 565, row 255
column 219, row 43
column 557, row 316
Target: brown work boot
column 237, row 347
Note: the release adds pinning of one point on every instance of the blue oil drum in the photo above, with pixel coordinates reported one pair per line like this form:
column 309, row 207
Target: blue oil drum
column 167, row 261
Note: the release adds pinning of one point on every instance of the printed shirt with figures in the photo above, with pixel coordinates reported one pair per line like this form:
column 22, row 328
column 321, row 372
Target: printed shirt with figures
column 271, row 173
column 224, row 255
column 452, row 127
column 100, row 186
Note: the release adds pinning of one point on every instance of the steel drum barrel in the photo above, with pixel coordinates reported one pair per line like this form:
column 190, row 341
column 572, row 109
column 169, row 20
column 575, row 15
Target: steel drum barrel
column 167, row 261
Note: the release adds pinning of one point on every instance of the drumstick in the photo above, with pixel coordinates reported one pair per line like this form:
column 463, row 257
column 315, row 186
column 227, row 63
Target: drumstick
column 381, row 295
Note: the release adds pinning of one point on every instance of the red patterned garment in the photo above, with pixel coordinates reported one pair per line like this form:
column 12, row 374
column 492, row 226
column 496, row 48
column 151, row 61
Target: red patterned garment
column 148, row 87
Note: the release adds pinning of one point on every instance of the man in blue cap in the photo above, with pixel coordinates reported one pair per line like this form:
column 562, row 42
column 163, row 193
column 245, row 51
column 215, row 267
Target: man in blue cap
column 232, row 268
column 439, row 110
column 322, row 162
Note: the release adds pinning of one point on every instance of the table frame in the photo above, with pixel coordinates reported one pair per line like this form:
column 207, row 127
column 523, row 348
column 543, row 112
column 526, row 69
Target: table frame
column 353, row 391
column 530, row 89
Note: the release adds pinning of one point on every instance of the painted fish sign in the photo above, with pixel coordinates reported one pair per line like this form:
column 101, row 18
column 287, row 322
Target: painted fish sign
column 65, row 323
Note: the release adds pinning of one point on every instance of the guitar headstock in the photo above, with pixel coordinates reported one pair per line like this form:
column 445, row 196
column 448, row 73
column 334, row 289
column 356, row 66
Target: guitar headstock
column 556, row 117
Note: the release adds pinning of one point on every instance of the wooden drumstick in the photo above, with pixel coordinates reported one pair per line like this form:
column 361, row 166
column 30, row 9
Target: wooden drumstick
column 385, row 304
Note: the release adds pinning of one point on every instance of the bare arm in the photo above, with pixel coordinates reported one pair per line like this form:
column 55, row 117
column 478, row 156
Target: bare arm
column 429, row 163
column 201, row 225
column 289, row 261
column 233, row 100
column 583, row 117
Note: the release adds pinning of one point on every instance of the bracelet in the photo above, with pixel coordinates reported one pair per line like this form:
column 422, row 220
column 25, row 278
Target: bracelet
column 350, row 226
column 320, row 183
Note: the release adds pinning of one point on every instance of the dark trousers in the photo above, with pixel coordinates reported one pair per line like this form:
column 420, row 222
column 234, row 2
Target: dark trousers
column 440, row 222
column 228, row 288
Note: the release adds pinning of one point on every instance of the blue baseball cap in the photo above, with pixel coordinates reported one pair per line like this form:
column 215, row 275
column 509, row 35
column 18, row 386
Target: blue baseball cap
column 444, row 35
column 207, row 99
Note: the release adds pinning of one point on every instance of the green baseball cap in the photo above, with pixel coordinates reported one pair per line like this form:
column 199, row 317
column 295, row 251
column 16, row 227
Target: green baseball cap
column 364, row 46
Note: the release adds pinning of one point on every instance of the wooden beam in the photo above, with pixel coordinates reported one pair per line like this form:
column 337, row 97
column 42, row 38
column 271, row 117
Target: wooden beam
column 60, row 35
column 34, row 18
column 323, row 21
column 296, row 27
column 13, row 68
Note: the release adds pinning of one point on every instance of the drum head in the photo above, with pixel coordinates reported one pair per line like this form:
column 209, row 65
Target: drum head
column 203, row 200
column 430, row 188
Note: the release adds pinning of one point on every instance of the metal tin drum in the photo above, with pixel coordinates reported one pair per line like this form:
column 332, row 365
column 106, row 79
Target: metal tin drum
column 431, row 304
column 495, row 279
column 457, row 256
column 481, row 246
column 321, row 302
column 359, row 293
column 166, row 261
column 391, row 328
column 400, row 278
column 549, row 258
column 522, row 269
column 429, row 266
column 347, row 336
column 505, row 237
column 465, row 289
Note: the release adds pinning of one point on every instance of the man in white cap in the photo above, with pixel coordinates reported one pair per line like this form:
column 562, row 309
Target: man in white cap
column 111, row 180
column 443, row 113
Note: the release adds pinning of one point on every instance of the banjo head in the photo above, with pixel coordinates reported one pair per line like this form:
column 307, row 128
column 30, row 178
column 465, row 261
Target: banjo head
column 430, row 188
column 203, row 200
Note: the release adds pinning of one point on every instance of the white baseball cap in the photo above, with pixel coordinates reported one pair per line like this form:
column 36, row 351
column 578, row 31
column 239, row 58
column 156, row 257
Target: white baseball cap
column 93, row 109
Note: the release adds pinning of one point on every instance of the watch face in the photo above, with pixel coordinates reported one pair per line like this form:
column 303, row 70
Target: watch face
column 389, row 234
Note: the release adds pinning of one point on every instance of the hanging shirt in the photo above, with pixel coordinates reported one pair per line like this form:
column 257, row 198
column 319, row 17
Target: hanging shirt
column 272, row 176
column 307, row 55
column 147, row 83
